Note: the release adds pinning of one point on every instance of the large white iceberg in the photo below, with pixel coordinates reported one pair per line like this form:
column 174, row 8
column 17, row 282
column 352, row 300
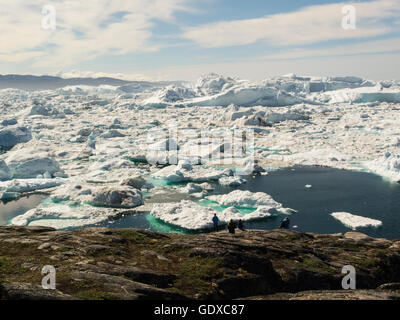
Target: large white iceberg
column 190, row 215
column 248, row 95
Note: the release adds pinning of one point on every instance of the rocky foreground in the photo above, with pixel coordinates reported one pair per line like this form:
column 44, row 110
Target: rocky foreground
column 101, row 263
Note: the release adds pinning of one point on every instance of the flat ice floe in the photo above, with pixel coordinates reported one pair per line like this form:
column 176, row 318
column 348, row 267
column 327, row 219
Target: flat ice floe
column 352, row 221
column 63, row 216
column 14, row 188
column 192, row 216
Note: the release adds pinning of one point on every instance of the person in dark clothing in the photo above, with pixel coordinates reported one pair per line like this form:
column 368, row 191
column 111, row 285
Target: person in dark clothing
column 240, row 225
column 215, row 222
column 285, row 223
column 231, row 226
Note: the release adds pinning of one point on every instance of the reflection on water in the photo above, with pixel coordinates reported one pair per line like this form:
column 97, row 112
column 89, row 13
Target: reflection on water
column 11, row 209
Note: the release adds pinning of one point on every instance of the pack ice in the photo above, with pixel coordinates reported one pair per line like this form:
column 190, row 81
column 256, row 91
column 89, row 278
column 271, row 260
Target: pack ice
column 82, row 144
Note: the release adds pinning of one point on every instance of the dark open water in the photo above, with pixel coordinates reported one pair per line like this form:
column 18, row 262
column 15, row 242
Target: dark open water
column 333, row 190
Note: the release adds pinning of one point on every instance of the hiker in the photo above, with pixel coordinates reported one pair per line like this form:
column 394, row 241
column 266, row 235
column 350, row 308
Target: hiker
column 240, row 225
column 215, row 222
column 285, row 223
column 231, row 226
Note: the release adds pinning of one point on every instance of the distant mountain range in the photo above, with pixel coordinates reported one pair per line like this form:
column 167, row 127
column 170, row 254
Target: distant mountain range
column 29, row 82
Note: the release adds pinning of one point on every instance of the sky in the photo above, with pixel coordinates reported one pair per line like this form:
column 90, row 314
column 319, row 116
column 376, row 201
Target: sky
column 184, row 39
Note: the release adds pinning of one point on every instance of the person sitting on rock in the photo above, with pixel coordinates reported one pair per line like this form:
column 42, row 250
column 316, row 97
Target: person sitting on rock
column 240, row 225
column 215, row 222
column 231, row 226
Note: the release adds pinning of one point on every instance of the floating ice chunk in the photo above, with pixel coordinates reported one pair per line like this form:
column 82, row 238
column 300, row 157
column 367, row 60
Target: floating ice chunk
column 186, row 214
column 252, row 120
column 171, row 174
column 362, row 95
column 112, row 134
column 248, row 95
column 246, row 198
column 275, row 117
column 352, row 221
column 192, row 188
column 212, row 84
column 46, row 111
column 28, row 163
column 136, row 182
column 190, row 215
column 63, row 216
column 118, row 196
column 232, row 113
column 178, row 173
column 168, row 95
column 233, row 181
column 11, row 136
column 18, row 187
column 235, row 214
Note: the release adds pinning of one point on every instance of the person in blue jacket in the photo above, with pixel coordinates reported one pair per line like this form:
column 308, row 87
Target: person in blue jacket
column 215, row 222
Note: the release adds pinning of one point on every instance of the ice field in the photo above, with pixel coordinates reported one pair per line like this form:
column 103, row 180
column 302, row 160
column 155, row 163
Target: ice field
column 108, row 151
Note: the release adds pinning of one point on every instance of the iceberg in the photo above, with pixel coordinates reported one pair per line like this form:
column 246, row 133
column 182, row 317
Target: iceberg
column 352, row 221
column 11, row 136
column 117, row 197
column 192, row 216
column 248, row 95
column 362, row 95
column 28, row 163
column 62, row 216
column 14, row 188
column 240, row 198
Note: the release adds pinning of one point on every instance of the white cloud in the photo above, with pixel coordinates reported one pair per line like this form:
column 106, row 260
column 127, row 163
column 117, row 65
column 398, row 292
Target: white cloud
column 85, row 29
column 306, row 26
column 368, row 47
